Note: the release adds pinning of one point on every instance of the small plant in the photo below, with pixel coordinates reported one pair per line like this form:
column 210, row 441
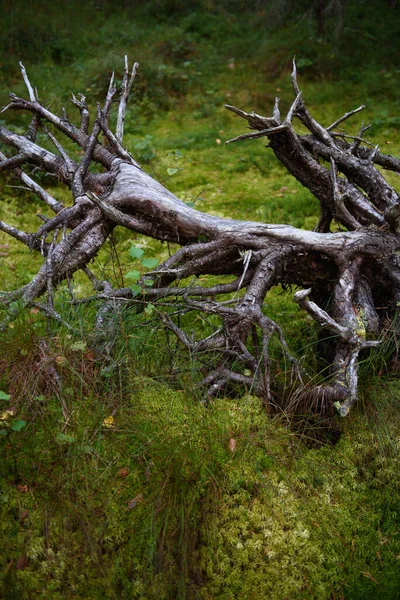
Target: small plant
column 8, row 422
column 176, row 156
column 139, row 281
column 145, row 149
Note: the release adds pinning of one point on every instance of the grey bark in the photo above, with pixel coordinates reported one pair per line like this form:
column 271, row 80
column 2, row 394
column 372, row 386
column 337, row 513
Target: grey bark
column 346, row 276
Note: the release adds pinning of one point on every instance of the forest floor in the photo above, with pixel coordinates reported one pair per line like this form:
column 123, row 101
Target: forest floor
column 119, row 483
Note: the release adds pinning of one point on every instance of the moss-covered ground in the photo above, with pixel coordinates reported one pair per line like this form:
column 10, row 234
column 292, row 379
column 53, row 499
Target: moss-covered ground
column 123, row 485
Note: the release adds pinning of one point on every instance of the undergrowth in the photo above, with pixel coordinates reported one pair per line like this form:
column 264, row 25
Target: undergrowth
column 123, row 485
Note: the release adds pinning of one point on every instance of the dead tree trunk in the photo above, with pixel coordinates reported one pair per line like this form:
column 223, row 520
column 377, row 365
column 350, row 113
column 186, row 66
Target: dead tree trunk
column 350, row 281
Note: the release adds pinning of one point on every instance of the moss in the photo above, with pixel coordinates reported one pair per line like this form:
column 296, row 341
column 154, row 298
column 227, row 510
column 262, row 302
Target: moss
column 161, row 504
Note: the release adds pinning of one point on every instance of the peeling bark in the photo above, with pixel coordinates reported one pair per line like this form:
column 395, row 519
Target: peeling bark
column 344, row 275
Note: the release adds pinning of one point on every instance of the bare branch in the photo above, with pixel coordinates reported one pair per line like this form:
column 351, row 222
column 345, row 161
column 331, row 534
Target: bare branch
column 19, row 235
column 50, row 312
column 344, row 117
column 258, row 134
column 12, row 163
column 71, row 166
column 125, row 91
column 114, row 143
column 32, row 95
column 83, row 109
column 35, row 188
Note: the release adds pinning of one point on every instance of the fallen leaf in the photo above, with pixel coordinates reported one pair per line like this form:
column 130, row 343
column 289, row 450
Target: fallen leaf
column 135, row 501
column 23, row 516
column 232, row 445
column 60, row 360
column 108, row 422
column 78, row 346
column 22, row 488
column 124, row 472
column 5, row 416
column 22, row 562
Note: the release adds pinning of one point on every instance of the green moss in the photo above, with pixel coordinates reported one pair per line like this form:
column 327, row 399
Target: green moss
column 310, row 532
column 176, row 500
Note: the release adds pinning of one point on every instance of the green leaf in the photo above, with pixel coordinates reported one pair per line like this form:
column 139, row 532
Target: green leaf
column 106, row 374
column 3, row 432
column 304, row 62
column 135, row 275
column 172, row 171
column 4, row 396
column 78, row 346
column 136, row 252
column 136, row 289
column 18, row 425
column 63, row 438
column 85, row 449
column 149, row 262
column 149, row 309
column 148, row 282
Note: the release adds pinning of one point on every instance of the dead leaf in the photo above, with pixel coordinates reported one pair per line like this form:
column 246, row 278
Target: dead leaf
column 22, row 562
column 147, row 472
column 60, row 360
column 232, row 445
column 6, row 415
column 22, row 488
column 124, row 472
column 108, row 422
column 23, row 516
column 135, row 501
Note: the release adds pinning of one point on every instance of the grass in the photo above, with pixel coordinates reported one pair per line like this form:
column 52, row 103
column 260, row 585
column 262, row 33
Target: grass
column 117, row 482
column 144, row 492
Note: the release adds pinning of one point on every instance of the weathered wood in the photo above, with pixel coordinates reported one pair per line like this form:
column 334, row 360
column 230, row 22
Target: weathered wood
column 350, row 272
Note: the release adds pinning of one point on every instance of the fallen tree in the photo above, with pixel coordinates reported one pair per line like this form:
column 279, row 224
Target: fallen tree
column 349, row 280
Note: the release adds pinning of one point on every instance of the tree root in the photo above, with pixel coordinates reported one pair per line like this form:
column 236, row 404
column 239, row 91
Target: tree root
column 349, row 281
